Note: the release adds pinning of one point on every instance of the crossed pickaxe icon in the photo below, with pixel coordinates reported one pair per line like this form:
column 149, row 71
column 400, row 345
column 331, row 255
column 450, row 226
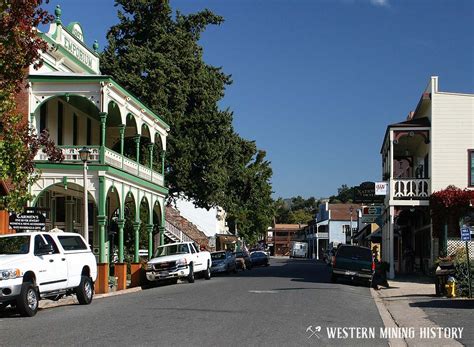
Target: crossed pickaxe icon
column 314, row 331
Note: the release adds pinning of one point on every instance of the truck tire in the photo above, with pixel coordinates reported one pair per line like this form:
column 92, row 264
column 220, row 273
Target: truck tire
column 207, row 272
column 85, row 291
column 191, row 273
column 27, row 302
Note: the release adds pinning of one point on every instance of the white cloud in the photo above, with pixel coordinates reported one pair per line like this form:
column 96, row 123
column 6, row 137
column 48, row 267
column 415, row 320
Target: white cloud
column 381, row 3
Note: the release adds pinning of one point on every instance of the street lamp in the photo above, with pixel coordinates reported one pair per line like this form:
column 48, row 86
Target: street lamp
column 84, row 154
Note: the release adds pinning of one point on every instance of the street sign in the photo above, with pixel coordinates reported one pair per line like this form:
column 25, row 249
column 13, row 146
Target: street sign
column 381, row 188
column 28, row 221
column 370, row 214
column 465, row 234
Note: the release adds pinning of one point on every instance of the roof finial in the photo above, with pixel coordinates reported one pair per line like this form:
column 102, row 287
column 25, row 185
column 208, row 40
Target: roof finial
column 57, row 12
column 95, row 46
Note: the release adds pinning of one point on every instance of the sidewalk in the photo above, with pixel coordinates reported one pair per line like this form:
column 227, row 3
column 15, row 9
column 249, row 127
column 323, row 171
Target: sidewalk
column 400, row 307
column 72, row 300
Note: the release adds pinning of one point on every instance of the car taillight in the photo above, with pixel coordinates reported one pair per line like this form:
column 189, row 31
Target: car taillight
column 334, row 261
column 373, row 266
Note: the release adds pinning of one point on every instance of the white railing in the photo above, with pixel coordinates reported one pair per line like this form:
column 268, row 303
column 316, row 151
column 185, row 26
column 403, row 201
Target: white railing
column 113, row 159
column 145, row 173
column 129, row 166
column 176, row 232
column 410, row 188
column 70, row 154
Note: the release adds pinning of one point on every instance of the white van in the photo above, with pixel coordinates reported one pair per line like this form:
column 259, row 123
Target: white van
column 298, row 249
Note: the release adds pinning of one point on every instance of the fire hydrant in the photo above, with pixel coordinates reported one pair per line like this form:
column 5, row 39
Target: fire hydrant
column 451, row 287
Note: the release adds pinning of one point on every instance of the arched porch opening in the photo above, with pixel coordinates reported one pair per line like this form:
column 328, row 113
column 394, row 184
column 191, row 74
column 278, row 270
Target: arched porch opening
column 64, row 207
column 71, row 120
column 146, row 227
column 158, row 160
column 157, row 223
column 129, row 214
column 113, row 235
column 113, row 129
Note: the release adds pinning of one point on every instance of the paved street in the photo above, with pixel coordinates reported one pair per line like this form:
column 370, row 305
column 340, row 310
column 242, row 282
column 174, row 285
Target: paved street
column 276, row 305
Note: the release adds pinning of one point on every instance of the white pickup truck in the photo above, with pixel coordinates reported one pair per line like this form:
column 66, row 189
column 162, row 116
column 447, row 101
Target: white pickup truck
column 42, row 265
column 178, row 260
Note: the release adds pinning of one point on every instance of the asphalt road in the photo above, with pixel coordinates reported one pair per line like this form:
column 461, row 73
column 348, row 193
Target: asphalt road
column 279, row 305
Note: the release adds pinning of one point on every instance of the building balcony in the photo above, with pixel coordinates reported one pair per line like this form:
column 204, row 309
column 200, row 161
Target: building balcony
column 71, row 156
column 410, row 188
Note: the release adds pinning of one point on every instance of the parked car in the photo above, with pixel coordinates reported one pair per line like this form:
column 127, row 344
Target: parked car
column 44, row 265
column 178, row 260
column 259, row 258
column 223, row 261
column 353, row 262
column 242, row 260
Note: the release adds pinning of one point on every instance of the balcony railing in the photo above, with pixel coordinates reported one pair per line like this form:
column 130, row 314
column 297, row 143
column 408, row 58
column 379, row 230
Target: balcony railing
column 71, row 154
column 410, row 188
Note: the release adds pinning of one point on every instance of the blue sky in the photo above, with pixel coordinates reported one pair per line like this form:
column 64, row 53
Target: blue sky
column 316, row 82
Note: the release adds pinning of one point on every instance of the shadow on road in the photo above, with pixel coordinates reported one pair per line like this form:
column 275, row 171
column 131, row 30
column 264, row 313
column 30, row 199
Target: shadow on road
column 447, row 303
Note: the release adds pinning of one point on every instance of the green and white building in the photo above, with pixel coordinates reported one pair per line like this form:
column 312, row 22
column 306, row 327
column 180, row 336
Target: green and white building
column 80, row 107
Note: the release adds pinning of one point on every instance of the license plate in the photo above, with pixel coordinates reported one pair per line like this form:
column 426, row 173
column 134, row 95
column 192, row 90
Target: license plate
column 350, row 273
column 163, row 274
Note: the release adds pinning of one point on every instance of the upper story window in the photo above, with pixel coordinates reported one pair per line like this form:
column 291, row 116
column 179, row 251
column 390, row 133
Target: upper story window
column 471, row 167
column 43, row 113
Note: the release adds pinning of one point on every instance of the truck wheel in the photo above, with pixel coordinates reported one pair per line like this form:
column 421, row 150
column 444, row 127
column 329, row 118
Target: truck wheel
column 85, row 291
column 207, row 273
column 191, row 274
column 27, row 302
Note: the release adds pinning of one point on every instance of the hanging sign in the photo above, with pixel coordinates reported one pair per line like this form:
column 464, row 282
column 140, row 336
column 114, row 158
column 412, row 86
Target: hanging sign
column 381, row 188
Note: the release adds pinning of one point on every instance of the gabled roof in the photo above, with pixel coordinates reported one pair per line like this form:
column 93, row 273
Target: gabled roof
column 341, row 212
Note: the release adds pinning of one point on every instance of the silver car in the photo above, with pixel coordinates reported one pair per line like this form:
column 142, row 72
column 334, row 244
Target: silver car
column 223, row 261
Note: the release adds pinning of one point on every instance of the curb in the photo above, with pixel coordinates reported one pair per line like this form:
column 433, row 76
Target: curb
column 387, row 319
column 72, row 300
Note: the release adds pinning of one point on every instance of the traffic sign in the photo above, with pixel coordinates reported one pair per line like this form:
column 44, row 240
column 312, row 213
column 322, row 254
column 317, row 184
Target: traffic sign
column 465, row 234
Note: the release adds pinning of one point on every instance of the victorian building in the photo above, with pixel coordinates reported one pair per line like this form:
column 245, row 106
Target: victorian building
column 126, row 141
column 430, row 150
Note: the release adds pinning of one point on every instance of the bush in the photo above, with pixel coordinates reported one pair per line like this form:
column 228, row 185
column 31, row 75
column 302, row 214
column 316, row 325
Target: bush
column 461, row 272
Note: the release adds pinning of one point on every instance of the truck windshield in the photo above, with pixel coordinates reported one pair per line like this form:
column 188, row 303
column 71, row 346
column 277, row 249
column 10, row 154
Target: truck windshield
column 171, row 249
column 15, row 244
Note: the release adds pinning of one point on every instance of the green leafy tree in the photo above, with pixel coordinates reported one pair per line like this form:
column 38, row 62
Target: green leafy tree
column 299, row 210
column 20, row 48
column 155, row 54
column 344, row 194
column 248, row 195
